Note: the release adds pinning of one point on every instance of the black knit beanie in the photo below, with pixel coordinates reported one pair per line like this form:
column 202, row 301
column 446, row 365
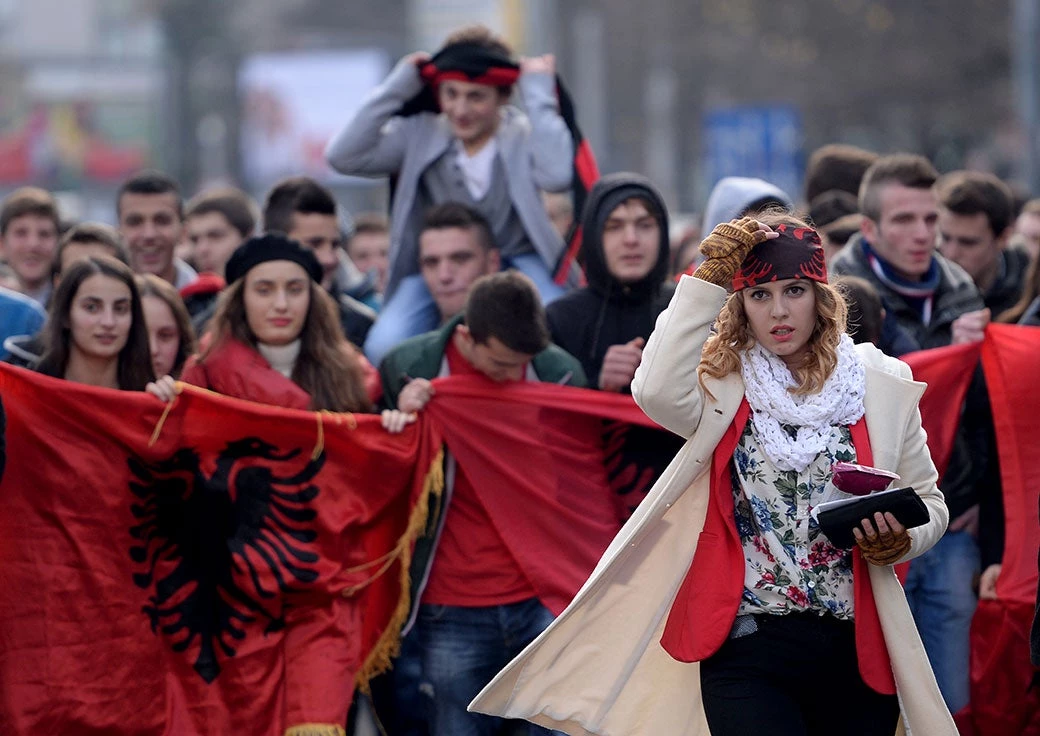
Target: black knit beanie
column 271, row 247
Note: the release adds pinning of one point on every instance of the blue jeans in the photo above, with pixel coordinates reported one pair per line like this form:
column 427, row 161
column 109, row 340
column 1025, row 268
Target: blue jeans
column 463, row 649
column 941, row 594
column 411, row 310
column 400, row 700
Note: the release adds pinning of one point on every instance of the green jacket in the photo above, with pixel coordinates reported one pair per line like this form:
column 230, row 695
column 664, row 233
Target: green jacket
column 422, row 357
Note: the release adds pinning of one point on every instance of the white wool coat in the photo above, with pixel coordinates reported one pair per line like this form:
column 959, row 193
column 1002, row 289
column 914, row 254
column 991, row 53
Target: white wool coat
column 600, row 668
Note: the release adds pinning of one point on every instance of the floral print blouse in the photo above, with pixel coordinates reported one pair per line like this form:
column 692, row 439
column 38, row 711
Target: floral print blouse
column 789, row 563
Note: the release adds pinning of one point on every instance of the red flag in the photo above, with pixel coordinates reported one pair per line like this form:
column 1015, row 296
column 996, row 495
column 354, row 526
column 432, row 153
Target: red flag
column 1002, row 701
column 236, row 576
column 534, row 453
column 948, row 372
column 1011, row 360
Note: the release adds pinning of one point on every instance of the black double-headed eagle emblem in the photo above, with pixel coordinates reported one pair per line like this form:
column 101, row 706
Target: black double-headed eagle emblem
column 228, row 544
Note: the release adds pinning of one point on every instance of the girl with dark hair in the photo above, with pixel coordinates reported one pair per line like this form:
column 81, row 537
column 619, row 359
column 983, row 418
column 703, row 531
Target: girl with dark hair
column 722, row 607
column 95, row 332
column 171, row 337
column 276, row 337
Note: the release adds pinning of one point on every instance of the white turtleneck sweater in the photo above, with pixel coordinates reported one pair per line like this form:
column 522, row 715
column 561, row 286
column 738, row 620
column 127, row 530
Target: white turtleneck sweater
column 281, row 357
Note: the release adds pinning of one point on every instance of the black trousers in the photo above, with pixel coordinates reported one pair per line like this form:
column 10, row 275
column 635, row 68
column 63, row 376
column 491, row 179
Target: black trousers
column 796, row 676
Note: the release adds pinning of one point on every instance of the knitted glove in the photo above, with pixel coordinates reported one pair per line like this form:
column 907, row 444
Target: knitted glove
column 725, row 249
column 884, row 548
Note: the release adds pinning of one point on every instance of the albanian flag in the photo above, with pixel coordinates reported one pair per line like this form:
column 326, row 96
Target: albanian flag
column 208, row 567
column 470, row 62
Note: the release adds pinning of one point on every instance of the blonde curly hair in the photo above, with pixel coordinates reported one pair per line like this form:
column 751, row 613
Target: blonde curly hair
column 732, row 335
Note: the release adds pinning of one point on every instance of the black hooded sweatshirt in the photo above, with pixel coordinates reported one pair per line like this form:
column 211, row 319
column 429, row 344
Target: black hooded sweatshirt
column 588, row 321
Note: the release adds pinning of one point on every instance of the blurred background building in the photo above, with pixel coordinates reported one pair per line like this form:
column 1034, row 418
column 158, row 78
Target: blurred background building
column 687, row 91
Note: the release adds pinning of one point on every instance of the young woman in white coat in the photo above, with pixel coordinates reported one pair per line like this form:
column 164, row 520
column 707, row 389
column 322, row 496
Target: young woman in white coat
column 721, row 608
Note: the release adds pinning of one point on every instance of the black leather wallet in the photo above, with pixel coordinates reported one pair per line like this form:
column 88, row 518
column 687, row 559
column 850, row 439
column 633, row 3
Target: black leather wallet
column 837, row 519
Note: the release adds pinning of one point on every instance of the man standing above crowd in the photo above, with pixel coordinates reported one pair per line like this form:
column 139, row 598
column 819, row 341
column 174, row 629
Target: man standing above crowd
column 443, row 129
column 937, row 304
column 151, row 220
column 29, row 226
column 625, row 254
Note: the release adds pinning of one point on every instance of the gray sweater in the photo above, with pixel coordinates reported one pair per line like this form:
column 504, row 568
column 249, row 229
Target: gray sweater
column 536, row 152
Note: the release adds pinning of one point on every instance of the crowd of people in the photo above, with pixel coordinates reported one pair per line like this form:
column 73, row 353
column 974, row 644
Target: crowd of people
column 284, row 305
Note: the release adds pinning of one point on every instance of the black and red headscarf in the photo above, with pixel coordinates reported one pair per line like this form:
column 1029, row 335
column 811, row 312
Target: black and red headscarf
column 796, row 254
column 471, row 62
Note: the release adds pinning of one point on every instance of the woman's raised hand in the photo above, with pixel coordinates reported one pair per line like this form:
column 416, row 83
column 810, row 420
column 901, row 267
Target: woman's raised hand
column 889, row 542
column 727, row 246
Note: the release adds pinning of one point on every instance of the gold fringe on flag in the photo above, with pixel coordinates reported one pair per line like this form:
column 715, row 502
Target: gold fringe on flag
column 338, row 418
column 389, row 644
column 162, row 419
column 316, row 729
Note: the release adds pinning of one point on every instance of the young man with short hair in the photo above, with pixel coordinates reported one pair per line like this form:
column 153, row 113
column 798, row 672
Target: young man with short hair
column 217, row 222
column 88, row 239
column 307, row 212
column 625, row 253
column 456, row 248
column 473, row 605
column 442, row 128
column 368, row 247
column 151, row 220
column 937, row 304
column 975, row 222
column 931, row 298
column 24, row 348
column 29, row 225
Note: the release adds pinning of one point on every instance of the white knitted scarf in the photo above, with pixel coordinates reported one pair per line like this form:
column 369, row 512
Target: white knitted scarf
column 766, row 383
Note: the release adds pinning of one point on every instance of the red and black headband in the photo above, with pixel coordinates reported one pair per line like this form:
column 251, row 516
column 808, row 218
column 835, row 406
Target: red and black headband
column 470, row 62
column 796, row 254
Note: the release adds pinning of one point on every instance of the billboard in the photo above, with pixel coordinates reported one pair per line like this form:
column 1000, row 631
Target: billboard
column 294, row 102
column 58, row 132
